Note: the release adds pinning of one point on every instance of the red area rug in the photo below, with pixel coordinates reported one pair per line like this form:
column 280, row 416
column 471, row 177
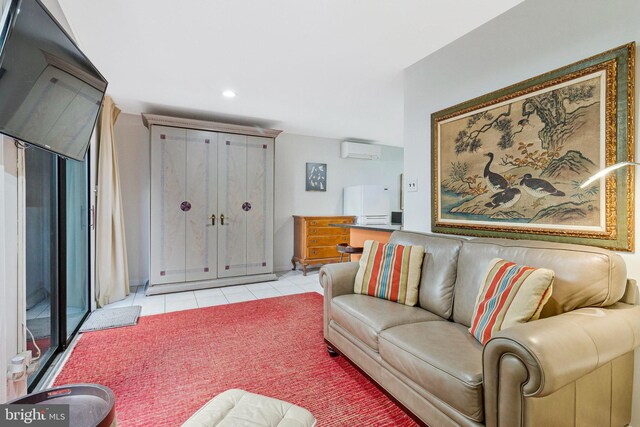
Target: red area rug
column 169, row 365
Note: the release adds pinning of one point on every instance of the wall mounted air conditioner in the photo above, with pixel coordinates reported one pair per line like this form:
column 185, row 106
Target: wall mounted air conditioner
column 358, row 150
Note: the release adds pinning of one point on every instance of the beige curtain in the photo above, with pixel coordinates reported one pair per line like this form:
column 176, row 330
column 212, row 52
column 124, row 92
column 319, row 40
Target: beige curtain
column 112, row 273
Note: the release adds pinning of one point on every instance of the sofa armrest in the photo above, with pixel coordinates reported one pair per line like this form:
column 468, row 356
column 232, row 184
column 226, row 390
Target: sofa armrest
column 538, row 358
column 336, row 279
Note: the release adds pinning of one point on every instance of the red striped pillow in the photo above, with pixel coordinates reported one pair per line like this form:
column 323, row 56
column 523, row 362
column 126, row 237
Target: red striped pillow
column 390, row 271
column 511, row 294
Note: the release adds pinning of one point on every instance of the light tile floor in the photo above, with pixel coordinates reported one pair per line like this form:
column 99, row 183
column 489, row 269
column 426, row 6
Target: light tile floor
column 288, row 283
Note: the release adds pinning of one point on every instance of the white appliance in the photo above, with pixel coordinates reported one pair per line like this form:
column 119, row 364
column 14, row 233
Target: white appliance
column 369, row 203
column 358, row 150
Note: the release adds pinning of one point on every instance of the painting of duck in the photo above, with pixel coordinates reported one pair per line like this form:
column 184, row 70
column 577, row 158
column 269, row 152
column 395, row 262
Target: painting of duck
column 505, row 199
column 513, row 161
column 539, row 187
column 495, row 181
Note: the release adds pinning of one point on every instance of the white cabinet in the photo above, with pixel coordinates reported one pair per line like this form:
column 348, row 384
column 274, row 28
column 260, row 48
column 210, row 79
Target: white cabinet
column 245, row 171
column 211, row 204
column 168, row 220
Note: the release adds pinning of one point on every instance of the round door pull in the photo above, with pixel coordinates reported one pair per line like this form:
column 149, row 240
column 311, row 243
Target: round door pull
column 246, row 206
column 185, row 206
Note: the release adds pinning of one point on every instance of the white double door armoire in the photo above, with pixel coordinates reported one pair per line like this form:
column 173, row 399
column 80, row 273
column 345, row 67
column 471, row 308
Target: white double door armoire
column 211, row 204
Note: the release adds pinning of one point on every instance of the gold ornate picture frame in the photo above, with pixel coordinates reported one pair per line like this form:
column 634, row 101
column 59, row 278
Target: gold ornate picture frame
column 510, row 163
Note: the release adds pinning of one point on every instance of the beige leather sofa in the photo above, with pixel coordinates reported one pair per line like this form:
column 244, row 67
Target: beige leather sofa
column 572, row 367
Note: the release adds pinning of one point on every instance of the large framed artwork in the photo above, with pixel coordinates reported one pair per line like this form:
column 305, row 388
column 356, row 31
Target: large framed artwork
column 510, row 163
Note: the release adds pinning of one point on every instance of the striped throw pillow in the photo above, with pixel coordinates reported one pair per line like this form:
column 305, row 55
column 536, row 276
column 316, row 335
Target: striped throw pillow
column 390, row 271
column 511, row 294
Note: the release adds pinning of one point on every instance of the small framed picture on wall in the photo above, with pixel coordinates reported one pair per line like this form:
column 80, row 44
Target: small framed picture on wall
column 316, row 177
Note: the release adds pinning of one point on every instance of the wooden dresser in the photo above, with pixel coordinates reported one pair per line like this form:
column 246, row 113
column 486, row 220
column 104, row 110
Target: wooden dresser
column 314, row 240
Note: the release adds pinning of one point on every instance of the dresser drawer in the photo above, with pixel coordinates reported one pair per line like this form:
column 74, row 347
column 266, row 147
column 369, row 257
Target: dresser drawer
column 315, row 241
column 327, row 231
column 323, row 252
column 326, row 222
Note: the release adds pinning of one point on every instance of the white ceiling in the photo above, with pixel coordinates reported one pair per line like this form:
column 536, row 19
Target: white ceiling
column 330, row 68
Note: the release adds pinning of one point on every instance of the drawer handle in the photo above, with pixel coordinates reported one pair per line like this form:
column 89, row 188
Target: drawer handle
column 313, row 222
column 315, row 252
column 314, row 241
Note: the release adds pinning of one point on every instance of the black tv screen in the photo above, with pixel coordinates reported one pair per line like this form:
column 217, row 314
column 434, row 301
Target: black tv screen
column 50, row 93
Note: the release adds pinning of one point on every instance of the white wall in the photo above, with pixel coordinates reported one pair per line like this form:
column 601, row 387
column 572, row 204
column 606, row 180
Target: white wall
column 54, row 8
column 9, row 320
column 132, row 147
column 532, row 38
column 292, row 154
column 4, row 344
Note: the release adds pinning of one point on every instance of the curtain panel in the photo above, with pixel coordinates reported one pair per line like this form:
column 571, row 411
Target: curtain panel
column 112, row 273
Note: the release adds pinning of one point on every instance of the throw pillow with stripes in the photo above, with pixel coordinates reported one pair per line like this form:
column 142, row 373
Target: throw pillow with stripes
column 510, row 294
column 390, row 271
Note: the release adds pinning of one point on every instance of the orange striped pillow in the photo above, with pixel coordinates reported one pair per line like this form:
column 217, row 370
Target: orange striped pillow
column 511, row 294
column 390, row 271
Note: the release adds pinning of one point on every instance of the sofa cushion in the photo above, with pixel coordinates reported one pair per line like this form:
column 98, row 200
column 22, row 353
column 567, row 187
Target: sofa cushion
column 584, row 275
column 441, row 357
column 390, row 271
column 365, row 317
column 438, row 269
column 511, row 294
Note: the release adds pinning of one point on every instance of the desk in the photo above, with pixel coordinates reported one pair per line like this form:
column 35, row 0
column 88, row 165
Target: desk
column 359, row 233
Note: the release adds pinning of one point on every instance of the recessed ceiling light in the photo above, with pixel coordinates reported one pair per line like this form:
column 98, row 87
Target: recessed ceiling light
column 228, row 93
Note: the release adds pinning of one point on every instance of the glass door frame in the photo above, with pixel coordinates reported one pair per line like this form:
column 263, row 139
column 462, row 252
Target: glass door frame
column 64, row 338
column 59, row 312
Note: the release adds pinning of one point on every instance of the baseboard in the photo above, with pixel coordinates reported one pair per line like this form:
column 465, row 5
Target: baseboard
column 133, row 286
column 205, row 284
column 287, row 268
column 282, row 268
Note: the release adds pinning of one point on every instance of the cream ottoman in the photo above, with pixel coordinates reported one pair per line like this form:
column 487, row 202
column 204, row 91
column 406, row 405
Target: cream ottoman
column 240, row 408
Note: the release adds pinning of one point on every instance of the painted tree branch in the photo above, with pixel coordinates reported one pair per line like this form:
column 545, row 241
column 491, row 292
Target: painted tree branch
column 468, row 141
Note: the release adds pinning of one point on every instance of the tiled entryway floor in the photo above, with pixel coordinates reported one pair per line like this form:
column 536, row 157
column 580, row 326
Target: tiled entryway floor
column 288, row 283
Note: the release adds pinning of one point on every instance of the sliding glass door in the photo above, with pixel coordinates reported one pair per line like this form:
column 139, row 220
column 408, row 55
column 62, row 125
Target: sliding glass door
column 76, row 242
column 41, row 197
column 57, row 252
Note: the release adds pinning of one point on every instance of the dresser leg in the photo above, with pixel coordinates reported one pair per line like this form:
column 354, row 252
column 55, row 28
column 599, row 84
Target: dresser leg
column 304, row 269
column 293, row 261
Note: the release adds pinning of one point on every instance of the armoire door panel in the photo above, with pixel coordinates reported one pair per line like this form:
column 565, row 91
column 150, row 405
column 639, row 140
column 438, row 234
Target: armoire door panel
column 168, row 197
column 201, row 247
column 232, row 192
column 260, row 205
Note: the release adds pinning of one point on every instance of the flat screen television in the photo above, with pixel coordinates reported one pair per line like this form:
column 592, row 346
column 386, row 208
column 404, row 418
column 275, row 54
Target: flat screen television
column 50, row 93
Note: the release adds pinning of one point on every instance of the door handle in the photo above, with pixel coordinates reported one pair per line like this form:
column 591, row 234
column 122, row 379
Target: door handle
column 213, row 219
column 221, row 219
